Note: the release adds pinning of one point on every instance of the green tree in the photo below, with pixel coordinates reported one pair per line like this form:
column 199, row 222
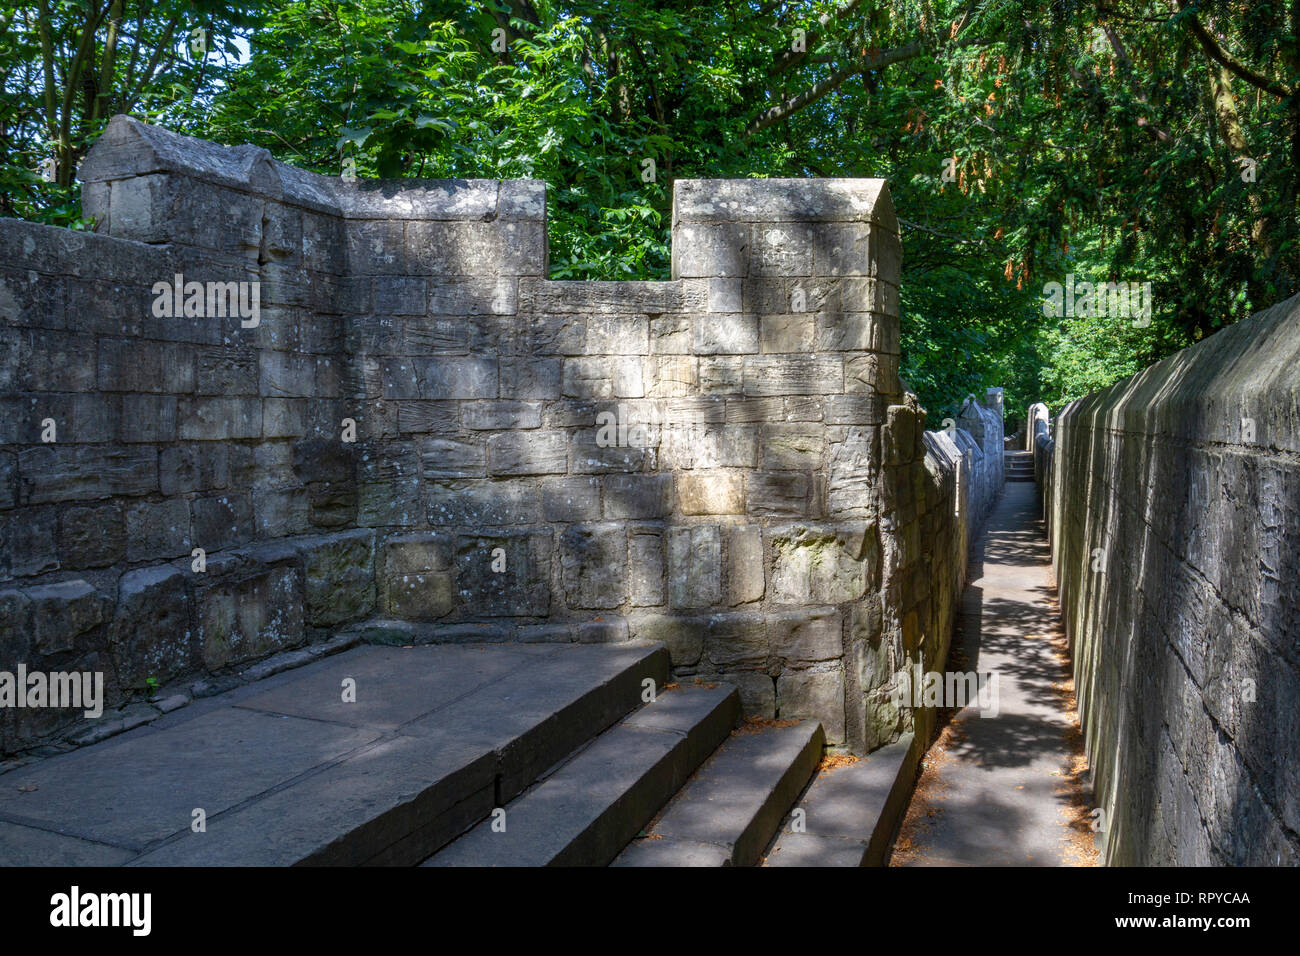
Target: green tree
column 1116, row 140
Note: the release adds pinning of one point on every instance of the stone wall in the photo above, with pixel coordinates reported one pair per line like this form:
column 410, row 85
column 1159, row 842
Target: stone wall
column 963, row 479
column 1174, row 506
column 1036, row 423
column 420, row 436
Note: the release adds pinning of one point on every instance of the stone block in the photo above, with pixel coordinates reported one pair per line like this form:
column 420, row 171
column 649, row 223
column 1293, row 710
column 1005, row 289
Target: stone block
column 28, row 541
column 376, row 247
column 793, row 447
column 780, row 493
column 787, row 333
column 603, row 377
column 589, row 458
column 569, row 500
column 855, row 249
column 683, row 637
column 670, row 376
column 862, row 409
column 420, row 595
column 721, row 375
column 453, row 457
column 854, row 470
column 504, row 575
column 822, row 564
column 757, row 693
column 57, row 614
column 782, row 249
column 807, row 636
column 221, row 521
column 147, row 418
column 528, row 453
column 557, row 334
column 472, row 505
column 813, row 693
column 645, row 558
column 726, row 295
column 638, row 496
column 793, row 375
column 243, row 616
column 671, row 334
column 418, row 551
column 602, row 631
column 593, row 565
column 432, row 417
column 440, row 377
column 711, row 493
column 338, row 577
column 618, row 335
column 500, row 416
column 158, row 530
column 165, row 367
column 286, row 374
column 529, row 378
column 8, row 480
column 15, row 636
column 92, row 537
column 150, row 634
column 737, row 641
column 472, row 296
column 725, row 334
column 399, row 295
column 215, row 418
column 695, row 566
column 720, row 249
column 56, row 473
column 745, row 564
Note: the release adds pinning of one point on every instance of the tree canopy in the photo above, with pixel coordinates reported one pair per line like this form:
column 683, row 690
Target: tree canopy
column 1026, row 143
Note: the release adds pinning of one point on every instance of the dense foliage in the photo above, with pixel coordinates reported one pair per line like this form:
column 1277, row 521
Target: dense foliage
column 1109, row 141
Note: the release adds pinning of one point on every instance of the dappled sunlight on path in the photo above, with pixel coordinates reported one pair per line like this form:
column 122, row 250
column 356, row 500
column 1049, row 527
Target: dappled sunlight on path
column 1006, row 786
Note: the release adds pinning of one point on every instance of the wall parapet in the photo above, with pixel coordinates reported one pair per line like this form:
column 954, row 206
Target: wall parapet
column 420, row 436
column 1173, row 500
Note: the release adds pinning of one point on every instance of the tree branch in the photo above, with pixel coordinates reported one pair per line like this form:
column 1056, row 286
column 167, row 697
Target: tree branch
column 789, row 58
column 1217, row 53
column 821, row 88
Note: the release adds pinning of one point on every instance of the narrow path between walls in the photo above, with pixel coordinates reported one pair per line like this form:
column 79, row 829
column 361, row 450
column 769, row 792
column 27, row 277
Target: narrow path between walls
column 1008, row 789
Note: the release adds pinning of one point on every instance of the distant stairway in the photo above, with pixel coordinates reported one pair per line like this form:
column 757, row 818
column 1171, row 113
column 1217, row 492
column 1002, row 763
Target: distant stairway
column 1019, row 465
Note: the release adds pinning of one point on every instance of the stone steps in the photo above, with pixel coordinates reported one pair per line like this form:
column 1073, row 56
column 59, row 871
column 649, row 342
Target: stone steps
column 727, row 814
column 287, row 772
column 588, row 809
column 850, row 813
column 436, row 739
column 1018, row 465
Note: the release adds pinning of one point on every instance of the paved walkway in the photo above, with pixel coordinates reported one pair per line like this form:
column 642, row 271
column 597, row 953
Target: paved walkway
column 1006, row 789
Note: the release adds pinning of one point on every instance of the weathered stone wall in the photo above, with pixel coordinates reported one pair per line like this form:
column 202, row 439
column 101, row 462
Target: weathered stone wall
column 422, row 436
column 1174, row 507
column 1036, row 423
column 982, row 420
column 963, row 478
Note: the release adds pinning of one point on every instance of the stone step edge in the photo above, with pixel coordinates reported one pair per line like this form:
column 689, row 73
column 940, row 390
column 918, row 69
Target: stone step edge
column 881, row 843
column 904, row 756
column 762, row 826
column 442, row 823
column 698, row 742
column 622, row 687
